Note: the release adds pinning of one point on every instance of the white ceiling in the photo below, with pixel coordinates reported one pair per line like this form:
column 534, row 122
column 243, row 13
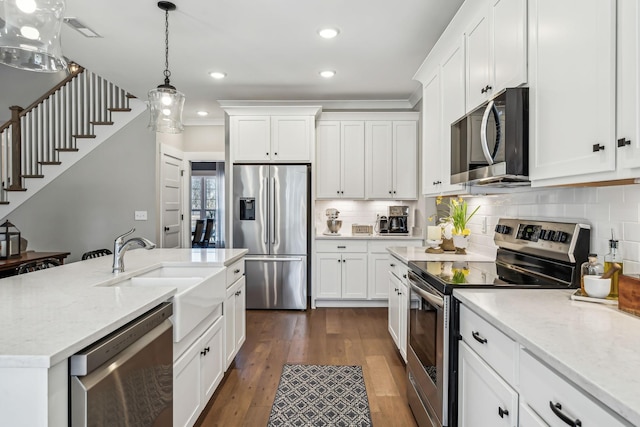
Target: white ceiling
column 269, row 49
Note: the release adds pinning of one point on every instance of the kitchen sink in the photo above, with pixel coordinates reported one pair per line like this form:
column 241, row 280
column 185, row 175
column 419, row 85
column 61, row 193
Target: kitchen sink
column 199, row 291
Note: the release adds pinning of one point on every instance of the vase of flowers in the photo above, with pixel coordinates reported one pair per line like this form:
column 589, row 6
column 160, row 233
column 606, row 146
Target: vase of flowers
column 459, row 217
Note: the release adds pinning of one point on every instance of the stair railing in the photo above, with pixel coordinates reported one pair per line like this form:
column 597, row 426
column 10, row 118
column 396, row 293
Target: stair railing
column 54, row 123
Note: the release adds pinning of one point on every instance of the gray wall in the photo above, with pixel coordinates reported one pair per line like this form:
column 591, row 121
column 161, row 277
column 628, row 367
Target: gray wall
column 94, row 201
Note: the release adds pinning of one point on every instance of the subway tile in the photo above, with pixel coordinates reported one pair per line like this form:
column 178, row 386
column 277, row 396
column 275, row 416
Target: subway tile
column 613, row 194
column 597, row 211
column 624, row 212
column 631, row 232
column 575, row 211
column 632, row 193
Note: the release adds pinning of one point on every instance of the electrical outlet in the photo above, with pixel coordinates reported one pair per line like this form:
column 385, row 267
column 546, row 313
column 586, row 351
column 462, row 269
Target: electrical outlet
column 140, row 215
column 484, row 225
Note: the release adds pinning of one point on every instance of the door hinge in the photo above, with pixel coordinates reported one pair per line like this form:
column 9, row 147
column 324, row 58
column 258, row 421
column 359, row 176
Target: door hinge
column 181, row 217
column 182, row 172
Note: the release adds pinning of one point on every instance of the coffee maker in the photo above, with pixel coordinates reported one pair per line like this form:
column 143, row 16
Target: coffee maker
column 398, row 223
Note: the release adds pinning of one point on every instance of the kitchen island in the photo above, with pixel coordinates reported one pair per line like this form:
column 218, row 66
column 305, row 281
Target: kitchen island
column 51, row 314
column 591, row 348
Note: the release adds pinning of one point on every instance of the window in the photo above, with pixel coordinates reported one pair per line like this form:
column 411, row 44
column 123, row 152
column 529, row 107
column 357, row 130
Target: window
column 204, row 193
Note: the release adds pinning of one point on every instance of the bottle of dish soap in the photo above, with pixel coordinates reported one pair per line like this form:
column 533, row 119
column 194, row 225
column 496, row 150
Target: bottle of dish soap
column 591, row 267
column 614, row 256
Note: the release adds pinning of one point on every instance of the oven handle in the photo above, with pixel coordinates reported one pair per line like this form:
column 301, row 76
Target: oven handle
column 433, row 298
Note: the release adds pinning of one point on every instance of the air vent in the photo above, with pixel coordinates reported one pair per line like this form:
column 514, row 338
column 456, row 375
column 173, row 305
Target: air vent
column 81, row 28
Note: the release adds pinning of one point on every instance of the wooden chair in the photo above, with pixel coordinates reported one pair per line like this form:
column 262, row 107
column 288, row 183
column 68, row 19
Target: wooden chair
column 96, row 254
column 30, row 266
column 197, row 234
column 204, row 243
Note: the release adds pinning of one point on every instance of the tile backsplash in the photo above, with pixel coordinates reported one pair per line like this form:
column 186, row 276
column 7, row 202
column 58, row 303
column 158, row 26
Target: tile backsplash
column 605, row 209
column 362, row 212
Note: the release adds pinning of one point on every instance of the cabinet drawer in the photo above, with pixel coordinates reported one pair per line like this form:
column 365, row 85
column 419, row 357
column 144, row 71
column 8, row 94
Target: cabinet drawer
column 497, row 349
column 398, row 268
column 552, row 397
column 341, row 246
column 235, row 271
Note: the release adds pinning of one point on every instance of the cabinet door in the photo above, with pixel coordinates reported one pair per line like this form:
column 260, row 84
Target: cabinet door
column 509, row 43
column 329, row 275
column 628, row 81
column 328, row 165
column 354, row 276
column 394, row 307
column 432, row 143
column 211, row 359
column 484, row 399
column 229, row 316
column 352, row 159
column 403, row 314
column 240, row 321
column 187, row 389
column 452, row 79
column 250, row 138
column 291, row 138
column 528, row 418
column 379, row 145
column 572, row 97
column 378, row 281
column 478, row 59
column 405, row 160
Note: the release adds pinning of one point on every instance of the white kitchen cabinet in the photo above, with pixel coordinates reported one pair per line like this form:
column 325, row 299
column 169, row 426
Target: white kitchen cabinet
column 496, row 49
column 196, row 374
column 554, row 398
column 391, row 159
column 572, row 96
column 432, row 144
column 342, row 276
column 628, row 85
column 380, row 262
column 484, row 399
column 394, row 307
column 271, row 135
column 528, row 417
column 340, row 159
column 234, row 319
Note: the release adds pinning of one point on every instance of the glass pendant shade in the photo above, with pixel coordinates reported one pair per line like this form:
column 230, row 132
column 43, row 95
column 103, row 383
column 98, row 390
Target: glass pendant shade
column 30, row 35
column 166, row 104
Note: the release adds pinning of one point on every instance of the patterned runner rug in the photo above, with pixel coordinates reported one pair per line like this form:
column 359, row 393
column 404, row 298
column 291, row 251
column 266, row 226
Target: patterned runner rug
column 320, row 395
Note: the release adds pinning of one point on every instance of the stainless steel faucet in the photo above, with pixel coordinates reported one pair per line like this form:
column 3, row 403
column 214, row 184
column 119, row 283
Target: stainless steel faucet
column 120, row 247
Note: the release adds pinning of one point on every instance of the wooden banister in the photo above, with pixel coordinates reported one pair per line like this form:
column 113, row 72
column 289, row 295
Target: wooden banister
column 51, row 91
column 16, row 150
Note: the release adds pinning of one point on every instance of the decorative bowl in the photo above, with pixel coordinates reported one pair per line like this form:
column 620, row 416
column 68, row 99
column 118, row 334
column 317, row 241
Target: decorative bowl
column 597, row 287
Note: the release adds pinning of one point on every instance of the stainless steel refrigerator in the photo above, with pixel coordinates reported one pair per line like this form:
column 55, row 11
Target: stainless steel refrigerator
column 271, row 219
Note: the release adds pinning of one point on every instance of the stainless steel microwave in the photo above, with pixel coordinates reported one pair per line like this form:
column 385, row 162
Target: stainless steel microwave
column 490, row 145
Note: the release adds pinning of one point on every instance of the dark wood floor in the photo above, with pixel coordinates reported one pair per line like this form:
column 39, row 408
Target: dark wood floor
column 330, row 336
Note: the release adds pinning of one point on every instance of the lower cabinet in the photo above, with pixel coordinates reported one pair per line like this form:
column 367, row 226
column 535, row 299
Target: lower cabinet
column 484, row 399
column 196, row 374
column 235, row 304
column 398, row 312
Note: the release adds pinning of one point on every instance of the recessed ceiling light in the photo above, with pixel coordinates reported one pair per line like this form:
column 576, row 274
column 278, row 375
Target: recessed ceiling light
column 81, row 27
column 218, row 75
column 203, row 113
column 327, row 74
column 328, row 33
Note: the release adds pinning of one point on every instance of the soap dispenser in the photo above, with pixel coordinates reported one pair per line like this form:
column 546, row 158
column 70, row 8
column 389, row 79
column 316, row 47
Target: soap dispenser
column 614, row 256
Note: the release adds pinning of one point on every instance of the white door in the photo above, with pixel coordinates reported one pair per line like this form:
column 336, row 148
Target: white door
column 171, row 183
column 478, row 57
column 328, row 160
column 405, row 160
column 432, row 143
column 352, row 159
column 379, row 146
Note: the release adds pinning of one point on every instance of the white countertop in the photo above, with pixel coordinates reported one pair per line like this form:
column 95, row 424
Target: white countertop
column 367, row 237
column 49, row 315
column 406, row 254
column 595, row 346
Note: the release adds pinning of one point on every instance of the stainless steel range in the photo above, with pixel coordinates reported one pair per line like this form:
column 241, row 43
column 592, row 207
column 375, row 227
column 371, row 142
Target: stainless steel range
column 531, row 254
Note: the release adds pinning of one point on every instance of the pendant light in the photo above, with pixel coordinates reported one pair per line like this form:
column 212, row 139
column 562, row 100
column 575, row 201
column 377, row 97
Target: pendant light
column 165, row 101
column 30, row 35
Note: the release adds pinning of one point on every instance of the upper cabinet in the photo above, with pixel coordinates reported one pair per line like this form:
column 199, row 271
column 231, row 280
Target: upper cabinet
column 496, row 50
column 340, row 159
column 272, row 135
column 367, row 155
column 573, row 89
column 392, row 167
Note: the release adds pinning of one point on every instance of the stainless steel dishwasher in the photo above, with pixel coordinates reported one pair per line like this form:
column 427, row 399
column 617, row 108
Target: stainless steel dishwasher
column 126, row 378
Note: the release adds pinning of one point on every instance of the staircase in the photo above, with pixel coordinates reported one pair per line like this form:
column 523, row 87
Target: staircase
column 43, row 140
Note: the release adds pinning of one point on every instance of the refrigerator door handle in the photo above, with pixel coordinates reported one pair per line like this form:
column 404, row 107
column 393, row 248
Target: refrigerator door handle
column 288, row 259
column 265, row 201
column 272, row 214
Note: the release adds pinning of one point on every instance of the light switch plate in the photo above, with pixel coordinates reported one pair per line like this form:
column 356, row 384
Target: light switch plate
column 140, row 215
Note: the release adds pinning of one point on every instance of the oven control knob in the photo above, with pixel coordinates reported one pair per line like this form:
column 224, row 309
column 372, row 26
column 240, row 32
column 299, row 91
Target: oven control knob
column 543, row 234
column 503, row 229
column 561, row 236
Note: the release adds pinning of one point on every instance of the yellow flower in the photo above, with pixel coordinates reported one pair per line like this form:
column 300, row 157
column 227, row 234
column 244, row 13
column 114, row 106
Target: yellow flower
column 438, row 200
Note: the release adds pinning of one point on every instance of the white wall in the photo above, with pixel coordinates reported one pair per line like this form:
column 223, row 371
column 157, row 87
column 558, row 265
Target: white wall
column 204, row 138
column 604, row 208
column 92, row 202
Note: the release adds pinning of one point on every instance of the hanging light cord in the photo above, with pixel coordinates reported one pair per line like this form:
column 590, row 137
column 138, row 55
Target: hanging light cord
column 167, row 73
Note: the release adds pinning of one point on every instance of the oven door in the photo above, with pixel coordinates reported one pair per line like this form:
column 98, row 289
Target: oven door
column 428, row 340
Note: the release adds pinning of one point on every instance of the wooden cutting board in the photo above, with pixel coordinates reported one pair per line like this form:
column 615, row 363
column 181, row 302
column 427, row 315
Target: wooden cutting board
column 629, row 293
